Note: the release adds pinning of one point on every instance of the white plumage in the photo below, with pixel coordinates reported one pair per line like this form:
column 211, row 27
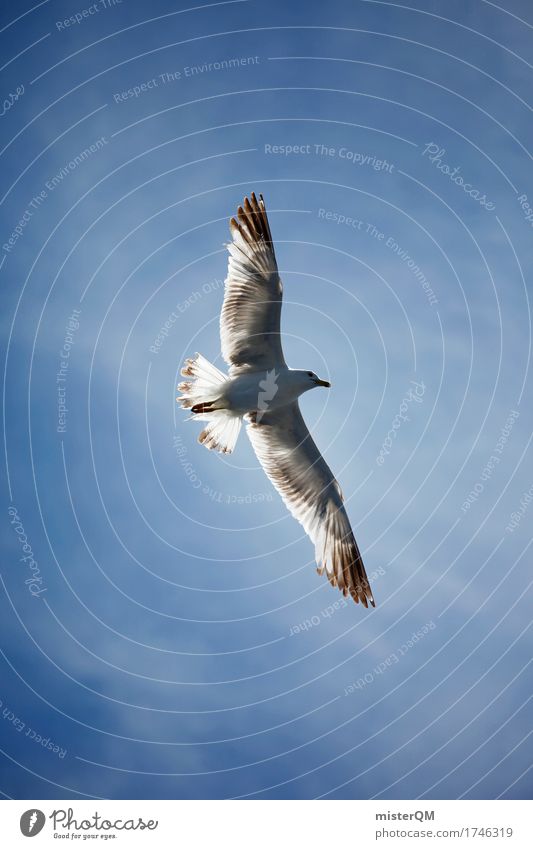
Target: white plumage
column 263, row 391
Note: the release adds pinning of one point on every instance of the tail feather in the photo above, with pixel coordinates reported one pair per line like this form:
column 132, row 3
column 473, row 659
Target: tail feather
column 202, row 370
column 200, row 395
column 222, row 432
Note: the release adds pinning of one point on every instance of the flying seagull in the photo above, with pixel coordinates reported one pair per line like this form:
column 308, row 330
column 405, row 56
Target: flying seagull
column 262, row 390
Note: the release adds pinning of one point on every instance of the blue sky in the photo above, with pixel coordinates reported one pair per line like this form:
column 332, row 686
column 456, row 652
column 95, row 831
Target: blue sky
column 167, row 635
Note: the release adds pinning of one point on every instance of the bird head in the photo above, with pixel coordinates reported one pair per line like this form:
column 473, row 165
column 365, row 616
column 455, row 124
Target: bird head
column 310, row 380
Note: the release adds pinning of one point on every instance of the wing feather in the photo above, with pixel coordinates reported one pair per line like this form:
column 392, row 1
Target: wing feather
column 251, row 313
column 304, row 480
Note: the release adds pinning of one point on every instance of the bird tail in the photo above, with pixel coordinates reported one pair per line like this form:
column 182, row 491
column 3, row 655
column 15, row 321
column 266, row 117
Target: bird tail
column 202, row 396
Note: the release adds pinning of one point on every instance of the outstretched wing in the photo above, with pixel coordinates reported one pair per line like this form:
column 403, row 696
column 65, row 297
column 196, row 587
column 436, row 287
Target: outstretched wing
column 304, row 480
column 250, row 317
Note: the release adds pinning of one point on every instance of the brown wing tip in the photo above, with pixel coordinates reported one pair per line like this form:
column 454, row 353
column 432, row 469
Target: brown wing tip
column 361, row 592
column 251, row 217
column 366, row 598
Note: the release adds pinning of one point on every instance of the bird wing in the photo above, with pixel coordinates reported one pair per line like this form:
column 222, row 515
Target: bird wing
column 292, row 461
column 250, row 317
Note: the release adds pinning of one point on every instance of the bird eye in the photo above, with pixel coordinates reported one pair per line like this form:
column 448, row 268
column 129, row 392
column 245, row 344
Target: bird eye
column 310, row 374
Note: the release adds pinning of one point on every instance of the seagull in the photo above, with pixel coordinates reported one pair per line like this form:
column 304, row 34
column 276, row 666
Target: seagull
column 263, row 391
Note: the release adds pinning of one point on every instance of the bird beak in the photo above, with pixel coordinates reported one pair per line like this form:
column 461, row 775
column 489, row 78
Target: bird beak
column 323, row 383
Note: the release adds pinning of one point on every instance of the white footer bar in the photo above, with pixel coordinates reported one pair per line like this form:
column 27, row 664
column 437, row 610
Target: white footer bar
column 268, row 824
